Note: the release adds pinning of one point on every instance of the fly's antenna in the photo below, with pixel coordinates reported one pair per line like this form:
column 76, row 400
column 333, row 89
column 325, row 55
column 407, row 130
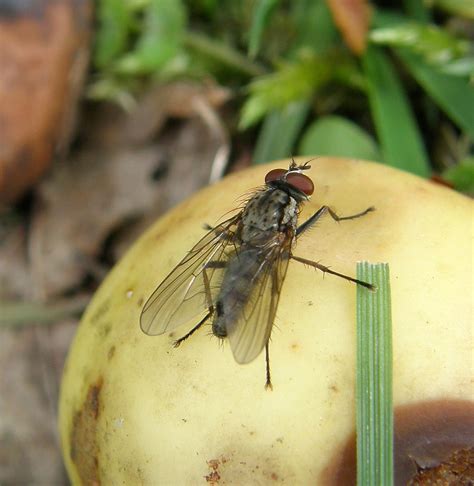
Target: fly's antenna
column 294, row 167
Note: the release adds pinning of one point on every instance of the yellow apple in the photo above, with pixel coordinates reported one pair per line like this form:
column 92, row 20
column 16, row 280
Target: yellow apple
column 135, row 410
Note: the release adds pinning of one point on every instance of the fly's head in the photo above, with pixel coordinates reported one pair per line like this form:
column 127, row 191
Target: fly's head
column 292, row 181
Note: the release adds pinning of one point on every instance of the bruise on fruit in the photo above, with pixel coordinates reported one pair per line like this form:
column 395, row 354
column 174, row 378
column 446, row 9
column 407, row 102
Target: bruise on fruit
column 100, row 311
column 111, row 352
column 84, row 449
column 429, row 433
column 431, row 438
column 213, row 477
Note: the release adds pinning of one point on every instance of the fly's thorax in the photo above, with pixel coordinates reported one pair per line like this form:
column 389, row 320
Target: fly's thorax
column 268, row 211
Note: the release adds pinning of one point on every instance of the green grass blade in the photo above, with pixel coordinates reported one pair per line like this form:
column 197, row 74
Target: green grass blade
column 279, row 132
column 315, row 26
column 463, row 8
column 261, row 16
column 416, row 9
column 398, row 133
column 454, row 95
column 221, row 53
column 374, row 378
column 19, row 314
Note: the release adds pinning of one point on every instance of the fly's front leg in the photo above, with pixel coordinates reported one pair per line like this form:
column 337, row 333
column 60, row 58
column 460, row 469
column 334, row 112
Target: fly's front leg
column 332, row 272
column 326, row 209
column 210, row 304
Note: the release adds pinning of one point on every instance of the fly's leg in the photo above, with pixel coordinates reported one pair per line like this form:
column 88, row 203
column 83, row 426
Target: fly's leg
column 268, row 380
column 326, row 209
column 194, row 329
column 210, row 305
column 332, row 272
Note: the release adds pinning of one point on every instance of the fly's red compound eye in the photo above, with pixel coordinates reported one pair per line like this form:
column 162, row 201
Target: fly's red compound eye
column 275, row 175
column 302, row 182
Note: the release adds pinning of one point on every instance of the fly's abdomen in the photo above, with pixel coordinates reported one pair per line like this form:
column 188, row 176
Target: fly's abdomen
column 239, row 280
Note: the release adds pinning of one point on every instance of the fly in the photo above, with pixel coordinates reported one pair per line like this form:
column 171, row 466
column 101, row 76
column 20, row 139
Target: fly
column 233, row 276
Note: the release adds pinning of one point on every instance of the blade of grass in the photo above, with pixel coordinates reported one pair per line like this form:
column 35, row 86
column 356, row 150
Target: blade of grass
column 463, row 8
column 279, row 132
column 314, row 26
column 19, row 314
column 261, row 15
column 374, row 378
column 416, row 9
column 399, row 136
column 222, row 53
column 454, row 95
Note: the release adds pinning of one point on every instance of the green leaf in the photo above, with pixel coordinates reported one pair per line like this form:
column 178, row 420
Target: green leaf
column 460, row 67
column 399, row 136
column 114, row 24
column 463, row 8
column 161, row 39
column 461, row 176
column 315, row 25
column 294, row 81
column 261, row 15
column 334, row 135
column 279, row 132
column 416, row 9
column 374, row 378
column 454, row 95
column 435, row 45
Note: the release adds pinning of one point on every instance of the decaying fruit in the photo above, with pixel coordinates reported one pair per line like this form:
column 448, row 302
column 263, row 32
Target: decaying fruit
column 134, row 410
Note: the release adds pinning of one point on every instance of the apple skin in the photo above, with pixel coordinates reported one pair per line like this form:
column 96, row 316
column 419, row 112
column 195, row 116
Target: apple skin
column 135, row 410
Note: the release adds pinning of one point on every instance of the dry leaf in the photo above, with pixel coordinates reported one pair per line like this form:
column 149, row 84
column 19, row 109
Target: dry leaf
column 79, row 205
column 15, row 279
column 31, row 361
column 352, row 17
column 43, row 57
column 190, row 150
column 177, row 100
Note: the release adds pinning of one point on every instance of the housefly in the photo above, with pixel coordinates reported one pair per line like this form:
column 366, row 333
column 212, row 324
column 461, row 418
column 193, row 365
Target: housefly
column 233, row 276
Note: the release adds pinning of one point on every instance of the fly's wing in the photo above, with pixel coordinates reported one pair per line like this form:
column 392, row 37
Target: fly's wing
column 251, row 332
column 192, row 285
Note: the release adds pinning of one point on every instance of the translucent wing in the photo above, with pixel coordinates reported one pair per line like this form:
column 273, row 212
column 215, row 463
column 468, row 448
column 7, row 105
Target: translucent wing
column 251, row 332
column 192, row 285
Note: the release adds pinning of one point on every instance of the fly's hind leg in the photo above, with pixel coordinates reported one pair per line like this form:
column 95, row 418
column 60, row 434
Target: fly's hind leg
column 326, row 209
column 194, row 329
column 325, row 269
column 268, row 380
column 210, row 304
